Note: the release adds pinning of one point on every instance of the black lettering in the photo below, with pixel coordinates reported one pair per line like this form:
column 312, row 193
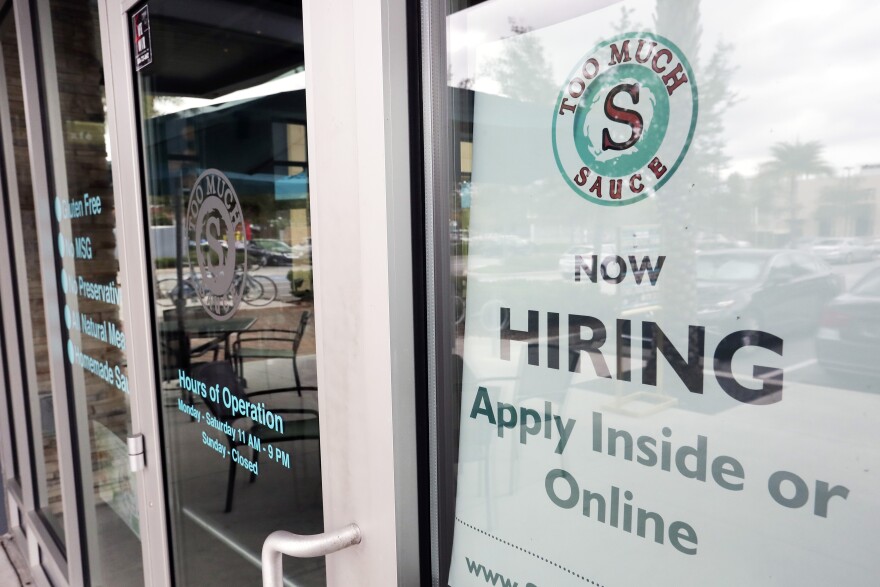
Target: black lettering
column 531, row 336
column 771, row 388
column 576, row 344
column 690, row 372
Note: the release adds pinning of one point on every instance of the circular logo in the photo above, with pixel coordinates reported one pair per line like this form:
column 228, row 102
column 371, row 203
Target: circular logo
column 624, row 119
column 213, row 219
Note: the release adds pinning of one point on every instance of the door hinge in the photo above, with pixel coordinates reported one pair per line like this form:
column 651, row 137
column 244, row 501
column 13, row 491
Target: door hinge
column 136, row 454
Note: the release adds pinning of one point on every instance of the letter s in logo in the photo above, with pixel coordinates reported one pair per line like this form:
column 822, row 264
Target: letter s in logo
column 212, row 233
column 213, row 221
column 629, row 117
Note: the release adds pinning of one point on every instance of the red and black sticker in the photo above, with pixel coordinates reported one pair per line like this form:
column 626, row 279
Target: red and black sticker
column 143, row 50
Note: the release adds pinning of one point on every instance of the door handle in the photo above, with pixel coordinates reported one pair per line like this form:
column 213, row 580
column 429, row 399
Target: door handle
column 281, row 542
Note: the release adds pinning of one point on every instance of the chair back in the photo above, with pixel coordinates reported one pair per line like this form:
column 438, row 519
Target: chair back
column 301, row 329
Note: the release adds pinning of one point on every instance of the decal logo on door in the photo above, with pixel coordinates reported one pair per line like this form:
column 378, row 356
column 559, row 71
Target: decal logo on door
column 213, row 219
column 624, row 119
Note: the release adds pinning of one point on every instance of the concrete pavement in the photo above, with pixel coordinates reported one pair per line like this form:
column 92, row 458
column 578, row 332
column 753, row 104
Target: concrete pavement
column 12, row 574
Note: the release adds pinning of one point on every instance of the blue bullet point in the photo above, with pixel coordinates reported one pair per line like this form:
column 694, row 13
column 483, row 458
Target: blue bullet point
column 64, row 280
column 67, row 315
column 71, row 354
column 58, row 208
column 61, row 245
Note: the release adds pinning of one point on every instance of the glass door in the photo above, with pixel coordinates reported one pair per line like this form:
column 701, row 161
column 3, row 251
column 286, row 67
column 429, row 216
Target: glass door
column 222, row 119
column 269, row 397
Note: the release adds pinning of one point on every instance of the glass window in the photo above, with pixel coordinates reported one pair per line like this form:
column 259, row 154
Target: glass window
column 39, row 403
column 649, row 218
column 87, row 276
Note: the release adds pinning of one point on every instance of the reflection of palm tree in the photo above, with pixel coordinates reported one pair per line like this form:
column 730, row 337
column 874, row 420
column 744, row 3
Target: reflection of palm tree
column 793, row 161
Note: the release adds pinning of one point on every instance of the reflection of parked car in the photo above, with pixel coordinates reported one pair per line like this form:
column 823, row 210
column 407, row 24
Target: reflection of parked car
column 849, row 332
column 716, row 242
column 842, row 250
column 763, row 289
column 271, row 251
column 874, row 246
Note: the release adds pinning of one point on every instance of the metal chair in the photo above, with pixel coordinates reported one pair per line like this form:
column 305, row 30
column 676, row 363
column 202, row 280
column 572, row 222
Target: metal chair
column 251, row 344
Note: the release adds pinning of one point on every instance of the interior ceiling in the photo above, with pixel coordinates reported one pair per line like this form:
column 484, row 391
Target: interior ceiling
column 208, row 48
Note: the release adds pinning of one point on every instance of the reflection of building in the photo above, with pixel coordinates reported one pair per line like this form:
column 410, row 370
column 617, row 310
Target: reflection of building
column 838, row 206
column 841, row 206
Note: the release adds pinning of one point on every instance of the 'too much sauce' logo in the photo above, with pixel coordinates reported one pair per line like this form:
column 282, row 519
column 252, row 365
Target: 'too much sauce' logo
column 625, row 118
column 213, row 218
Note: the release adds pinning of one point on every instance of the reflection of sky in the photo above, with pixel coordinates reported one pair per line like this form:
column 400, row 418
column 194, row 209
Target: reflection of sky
column 804, row 71
column 288, row 82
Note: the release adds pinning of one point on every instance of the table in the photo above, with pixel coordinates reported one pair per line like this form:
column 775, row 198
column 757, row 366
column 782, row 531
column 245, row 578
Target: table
column 207, row 328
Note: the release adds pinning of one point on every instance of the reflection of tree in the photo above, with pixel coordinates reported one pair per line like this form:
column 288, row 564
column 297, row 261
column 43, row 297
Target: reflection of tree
column 763, row 190
column 694, row 199
column 524, row 77
column 736, row 208
column 792, row 161
column 522, row 71
column 714, row 203
column 625, row 24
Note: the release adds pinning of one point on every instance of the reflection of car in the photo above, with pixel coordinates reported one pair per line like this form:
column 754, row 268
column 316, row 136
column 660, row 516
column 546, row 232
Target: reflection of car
column 204, row 243
column 842, row 250
column 763, row 289
column 874, row 246
column 849, row 332
column 271, row 251
column 717, row 242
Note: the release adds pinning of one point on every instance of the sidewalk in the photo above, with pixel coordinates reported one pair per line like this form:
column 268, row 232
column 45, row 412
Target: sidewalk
column 9, row 576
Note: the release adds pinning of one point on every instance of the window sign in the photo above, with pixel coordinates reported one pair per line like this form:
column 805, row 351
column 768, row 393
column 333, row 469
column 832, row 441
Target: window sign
column 643, row 399
column 143, row 49
column 104, row 333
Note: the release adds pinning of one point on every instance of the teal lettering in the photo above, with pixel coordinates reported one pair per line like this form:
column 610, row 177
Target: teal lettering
column 481, row 400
